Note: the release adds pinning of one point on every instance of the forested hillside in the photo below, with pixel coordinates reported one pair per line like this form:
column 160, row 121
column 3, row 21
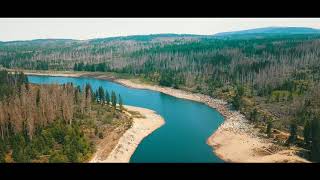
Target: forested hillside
column 272, row 79
column 54, row 123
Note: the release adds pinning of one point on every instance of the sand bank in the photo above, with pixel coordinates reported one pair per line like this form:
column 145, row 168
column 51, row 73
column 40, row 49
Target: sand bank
column 236, row 140
column 130, row 140
column 53, row 74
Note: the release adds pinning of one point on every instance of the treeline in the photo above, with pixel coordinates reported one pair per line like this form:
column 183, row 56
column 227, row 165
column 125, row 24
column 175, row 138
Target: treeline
column 101, row 67
column 11, row 83
column 44, row 122
column 103, row 97
column 235, row 61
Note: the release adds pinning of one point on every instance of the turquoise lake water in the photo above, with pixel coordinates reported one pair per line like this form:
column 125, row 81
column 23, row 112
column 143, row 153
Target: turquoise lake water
column 182, row 138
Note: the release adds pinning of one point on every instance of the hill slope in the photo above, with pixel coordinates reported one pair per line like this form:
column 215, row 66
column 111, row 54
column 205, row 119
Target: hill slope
column 273, row 30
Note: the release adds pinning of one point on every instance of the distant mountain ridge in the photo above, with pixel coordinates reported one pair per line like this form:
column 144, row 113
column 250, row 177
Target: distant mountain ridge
column 249, row 33
column 144, row 37
column 272, row 30
column 39, row 42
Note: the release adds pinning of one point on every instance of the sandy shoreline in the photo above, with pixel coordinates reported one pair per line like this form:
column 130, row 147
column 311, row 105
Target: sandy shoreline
column 130, row 140
column 54, row 74
column 234, row 141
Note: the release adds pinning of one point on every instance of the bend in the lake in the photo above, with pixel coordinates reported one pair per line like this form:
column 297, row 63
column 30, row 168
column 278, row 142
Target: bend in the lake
column 183, row 138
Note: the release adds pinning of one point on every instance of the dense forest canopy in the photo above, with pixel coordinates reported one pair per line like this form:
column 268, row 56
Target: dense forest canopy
column 272, row 79
column 208, row 62
column 52, row 123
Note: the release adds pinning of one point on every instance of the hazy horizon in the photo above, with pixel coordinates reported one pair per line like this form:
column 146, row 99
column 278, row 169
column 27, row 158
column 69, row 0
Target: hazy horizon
column 15, row 29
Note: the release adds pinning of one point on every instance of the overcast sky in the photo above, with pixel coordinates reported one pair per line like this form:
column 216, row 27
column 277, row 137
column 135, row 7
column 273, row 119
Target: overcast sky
column 88, row 28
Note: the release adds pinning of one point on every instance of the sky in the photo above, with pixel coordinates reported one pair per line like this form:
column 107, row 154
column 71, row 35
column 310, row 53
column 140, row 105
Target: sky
column 12, row 29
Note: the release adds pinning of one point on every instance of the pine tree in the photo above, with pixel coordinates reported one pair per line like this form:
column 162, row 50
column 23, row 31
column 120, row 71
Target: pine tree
column 38, row 98
column 114, row 99
column 88, row 90
column 293, row 133
column 307, row 133
column 269, row 128
column 236, row 102
column 96, row 96
column 101, row 94
column 107, row 97
column 254, row 115
column 75, row 67
column 89, row 97
column 120, row 102
column 77, row 95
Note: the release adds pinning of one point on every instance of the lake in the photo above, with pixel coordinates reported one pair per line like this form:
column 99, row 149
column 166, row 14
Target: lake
column 188, row 124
